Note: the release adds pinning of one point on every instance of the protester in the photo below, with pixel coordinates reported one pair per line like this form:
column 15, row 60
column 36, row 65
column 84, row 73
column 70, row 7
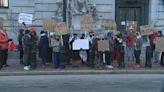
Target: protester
column 72, row 39
column 137, row 50
column 130, row 38
column 34, row 45
column 73, row 54
column 118, row 41
column 152, row 42
column 157, row 54
column 27, row 49
column 161, row 61
column 43, row 47
column 3, row 47
column 92, row 50
column 90, row 37
column 20, row 45
column 56, row 44
column 66, row 50
column 109, row 54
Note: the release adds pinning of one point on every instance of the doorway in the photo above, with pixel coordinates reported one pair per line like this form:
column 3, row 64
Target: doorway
column 131, row 10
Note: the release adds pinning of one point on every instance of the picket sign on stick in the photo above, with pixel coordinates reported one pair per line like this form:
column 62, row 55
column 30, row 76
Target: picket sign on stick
column 159, row 44
column 25, row 18
column 146, row 29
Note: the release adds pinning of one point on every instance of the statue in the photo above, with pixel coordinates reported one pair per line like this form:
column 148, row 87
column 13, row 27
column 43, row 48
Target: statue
column 80, row 6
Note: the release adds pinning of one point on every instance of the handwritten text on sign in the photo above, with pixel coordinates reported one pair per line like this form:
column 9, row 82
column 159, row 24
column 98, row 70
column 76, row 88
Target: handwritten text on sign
column 26, row 18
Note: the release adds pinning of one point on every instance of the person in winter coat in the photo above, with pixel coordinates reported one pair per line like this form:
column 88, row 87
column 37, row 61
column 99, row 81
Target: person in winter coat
column 56, row 44
column 137, row 50
column 129, row 40
column 43, row 47
column 118, row 42
column 34, row 46
column 109, row 54
column 3, row 47
column 20, row 45
column 27, row 49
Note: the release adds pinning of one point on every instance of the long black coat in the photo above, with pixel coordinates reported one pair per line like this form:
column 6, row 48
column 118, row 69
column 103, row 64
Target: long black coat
column 43, row 47
column 27, row 49
column 20, row 46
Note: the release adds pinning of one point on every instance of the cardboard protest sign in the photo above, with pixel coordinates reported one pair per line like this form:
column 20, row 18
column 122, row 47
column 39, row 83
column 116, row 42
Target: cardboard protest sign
column 48, row 24
column 146, row 29
column 26, row 18
column 60, row 28
column 103, row 45
column 81, row 44
column 109, row 24
column 86, row 23
column 159, row 44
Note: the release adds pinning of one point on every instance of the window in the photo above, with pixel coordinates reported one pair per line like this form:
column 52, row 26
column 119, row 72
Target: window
column 4, row 3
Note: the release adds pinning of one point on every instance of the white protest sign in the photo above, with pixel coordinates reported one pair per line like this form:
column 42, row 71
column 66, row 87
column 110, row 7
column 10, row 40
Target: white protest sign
column 81, row 44
column 26, row 18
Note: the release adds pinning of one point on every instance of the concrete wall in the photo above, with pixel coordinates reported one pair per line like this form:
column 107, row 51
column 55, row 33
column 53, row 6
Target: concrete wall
column 157, row 14
column 41, row 9
column 46, row 9
column 105, row 8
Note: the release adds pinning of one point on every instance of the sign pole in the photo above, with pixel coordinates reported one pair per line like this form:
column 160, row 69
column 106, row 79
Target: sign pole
column 24, row 25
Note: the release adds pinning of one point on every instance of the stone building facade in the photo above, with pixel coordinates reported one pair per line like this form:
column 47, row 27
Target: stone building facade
column 153, row 12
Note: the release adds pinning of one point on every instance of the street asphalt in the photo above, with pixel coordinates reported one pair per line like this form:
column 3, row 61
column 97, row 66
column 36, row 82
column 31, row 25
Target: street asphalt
column 83, row 83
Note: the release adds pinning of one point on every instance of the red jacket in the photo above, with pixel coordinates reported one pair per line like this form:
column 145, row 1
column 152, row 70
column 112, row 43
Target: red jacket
column 152, row 38
column 128, row 41
column 3, row 41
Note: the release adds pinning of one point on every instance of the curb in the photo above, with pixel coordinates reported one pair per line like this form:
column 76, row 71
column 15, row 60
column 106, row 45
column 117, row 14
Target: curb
column 81, row 72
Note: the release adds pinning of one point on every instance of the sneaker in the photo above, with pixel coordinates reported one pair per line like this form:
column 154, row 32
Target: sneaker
column 26, row 68
column 109, row 66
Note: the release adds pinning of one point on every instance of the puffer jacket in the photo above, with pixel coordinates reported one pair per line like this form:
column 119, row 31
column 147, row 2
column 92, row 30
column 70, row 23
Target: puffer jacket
column 3, row 41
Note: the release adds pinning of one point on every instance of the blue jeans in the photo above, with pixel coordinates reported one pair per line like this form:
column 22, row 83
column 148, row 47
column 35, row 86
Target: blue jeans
column 56, row 59
column 130, row 53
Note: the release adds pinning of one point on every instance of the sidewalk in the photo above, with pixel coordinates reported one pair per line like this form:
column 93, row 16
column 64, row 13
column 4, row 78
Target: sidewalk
column 16, row 69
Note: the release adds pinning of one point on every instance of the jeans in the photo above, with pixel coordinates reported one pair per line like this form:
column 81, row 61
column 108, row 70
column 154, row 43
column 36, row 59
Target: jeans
column 130, row 53
column 3, row 57
column 137, row 54
column 56, row 59
column 100, row 56
column 108, row 57
column 91, row 60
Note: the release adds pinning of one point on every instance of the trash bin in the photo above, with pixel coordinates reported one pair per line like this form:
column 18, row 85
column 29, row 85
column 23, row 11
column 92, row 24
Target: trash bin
column 148, row 57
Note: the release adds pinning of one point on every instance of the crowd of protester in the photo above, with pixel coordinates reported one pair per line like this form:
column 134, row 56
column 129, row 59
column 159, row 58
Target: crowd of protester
column 58, row 50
